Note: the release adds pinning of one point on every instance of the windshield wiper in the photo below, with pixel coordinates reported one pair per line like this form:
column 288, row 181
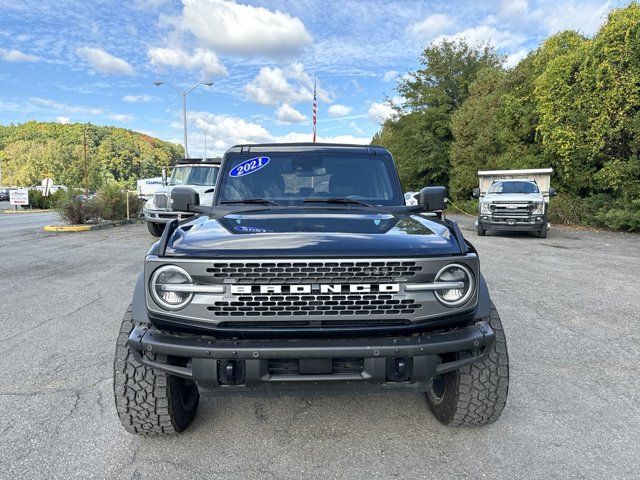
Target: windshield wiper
column 338, row 200
column 259, row 201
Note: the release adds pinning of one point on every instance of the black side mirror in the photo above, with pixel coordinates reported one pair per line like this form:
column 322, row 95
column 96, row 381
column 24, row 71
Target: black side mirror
column 164, row 175
column 552, row 192
column 476, row 193
column 184, row 199
column 432, row 199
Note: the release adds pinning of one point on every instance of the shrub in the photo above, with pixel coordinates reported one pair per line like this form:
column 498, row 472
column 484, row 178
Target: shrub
column 37, row 200
column 620, row 216
column 74, row 210
column 112, row 203
column 570, row 209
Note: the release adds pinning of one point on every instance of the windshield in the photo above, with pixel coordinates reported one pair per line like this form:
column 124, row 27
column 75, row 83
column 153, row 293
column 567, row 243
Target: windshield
column 514, row 187
column 292, row 178
column 194, row 175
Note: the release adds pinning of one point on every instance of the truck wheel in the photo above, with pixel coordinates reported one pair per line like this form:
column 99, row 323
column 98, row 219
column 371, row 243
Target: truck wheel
column 481, row 231
column 475, row 394
column 542, row 233
column 149, row 402
column 155, row 229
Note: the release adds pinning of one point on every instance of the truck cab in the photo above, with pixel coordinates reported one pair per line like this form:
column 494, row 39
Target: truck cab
column 197, row 173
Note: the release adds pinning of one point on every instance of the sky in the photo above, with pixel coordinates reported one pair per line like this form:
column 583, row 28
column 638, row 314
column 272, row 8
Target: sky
column 96, row 61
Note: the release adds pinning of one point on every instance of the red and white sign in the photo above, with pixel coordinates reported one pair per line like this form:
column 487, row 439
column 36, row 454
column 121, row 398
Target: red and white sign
column 19, row 197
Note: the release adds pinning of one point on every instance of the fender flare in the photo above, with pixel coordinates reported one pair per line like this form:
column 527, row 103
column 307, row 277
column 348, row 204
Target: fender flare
column 484, row 300
column 139, row 302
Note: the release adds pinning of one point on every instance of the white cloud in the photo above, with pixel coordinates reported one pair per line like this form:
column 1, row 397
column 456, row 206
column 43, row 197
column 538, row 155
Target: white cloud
column 121, row 117
column 379, row 112
column 224, row 131
column 390, row 76
column 104, row 62
column 585, row 17
column 486, row 34
column 243, row 29
column 295, row 137
column 287, row 114
column 17, row 56
column 338, row 110
column 136, row 98
column 432, row 26
column 355, row 128
column 63, row 120
column 514, row 58
column 290, row 84
column 514, row 9
column 63, row 107
column 202, row 59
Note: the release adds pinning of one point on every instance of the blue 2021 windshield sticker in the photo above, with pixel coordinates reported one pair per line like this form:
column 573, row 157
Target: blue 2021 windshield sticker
column 249, row 166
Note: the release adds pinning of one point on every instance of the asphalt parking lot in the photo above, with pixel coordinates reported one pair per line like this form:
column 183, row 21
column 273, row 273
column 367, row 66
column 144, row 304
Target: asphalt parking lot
column 569, row 305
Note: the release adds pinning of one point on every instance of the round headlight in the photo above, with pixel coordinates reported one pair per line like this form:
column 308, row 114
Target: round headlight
column 452, row 297
column 164, row 286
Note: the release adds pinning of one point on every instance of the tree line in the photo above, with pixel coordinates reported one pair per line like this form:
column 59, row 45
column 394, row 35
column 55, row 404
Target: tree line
column 33, row 150
column 572, row 104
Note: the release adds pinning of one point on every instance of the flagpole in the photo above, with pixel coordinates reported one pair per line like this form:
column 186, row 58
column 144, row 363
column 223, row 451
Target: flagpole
column 315, row 107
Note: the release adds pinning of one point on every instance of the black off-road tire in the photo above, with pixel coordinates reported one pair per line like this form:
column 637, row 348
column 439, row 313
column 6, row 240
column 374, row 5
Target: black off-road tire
column 542, row 233
column 481, row 231
column 155, row 229
column 149, row 402
column 475, row 394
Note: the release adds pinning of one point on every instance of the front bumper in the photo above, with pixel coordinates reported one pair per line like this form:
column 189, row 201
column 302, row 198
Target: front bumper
column 229, row 366
column 504, row 223
column 164, row 216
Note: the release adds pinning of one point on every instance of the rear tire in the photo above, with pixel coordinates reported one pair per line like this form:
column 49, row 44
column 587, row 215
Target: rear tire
column 149, row 402
column 155, row 229
column 475, row 394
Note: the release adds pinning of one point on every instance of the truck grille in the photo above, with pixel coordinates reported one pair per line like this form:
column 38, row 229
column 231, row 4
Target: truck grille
column 521, row 210
column 161, row 200
column 314, row 305
column 314, row 272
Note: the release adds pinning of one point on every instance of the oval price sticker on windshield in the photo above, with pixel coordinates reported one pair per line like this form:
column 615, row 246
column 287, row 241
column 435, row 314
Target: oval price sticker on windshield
column 249, row 166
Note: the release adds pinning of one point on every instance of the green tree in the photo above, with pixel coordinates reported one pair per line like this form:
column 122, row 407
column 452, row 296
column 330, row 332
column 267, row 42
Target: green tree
column 420, row 136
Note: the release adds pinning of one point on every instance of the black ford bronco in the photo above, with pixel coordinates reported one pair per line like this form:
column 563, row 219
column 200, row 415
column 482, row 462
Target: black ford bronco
column 309, row 272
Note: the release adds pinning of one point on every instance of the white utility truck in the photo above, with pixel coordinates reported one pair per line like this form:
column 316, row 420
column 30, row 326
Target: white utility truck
column 514, row 200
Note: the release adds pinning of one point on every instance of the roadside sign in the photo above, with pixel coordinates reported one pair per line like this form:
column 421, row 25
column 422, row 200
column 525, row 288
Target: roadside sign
column 46, row 185
column 19, row 197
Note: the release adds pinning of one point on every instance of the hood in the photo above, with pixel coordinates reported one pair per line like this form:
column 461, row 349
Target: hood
column 512, row 197
column 312, row 233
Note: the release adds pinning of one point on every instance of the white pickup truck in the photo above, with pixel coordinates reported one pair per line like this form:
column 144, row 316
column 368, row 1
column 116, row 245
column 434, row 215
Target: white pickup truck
column 514, row 200
column 197, row 173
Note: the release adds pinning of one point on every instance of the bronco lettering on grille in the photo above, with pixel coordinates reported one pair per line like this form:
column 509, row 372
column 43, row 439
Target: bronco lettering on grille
column 321, row 288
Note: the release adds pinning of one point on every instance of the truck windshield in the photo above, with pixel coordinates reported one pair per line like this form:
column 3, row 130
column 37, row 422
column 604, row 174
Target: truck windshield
column 292, row 178
column 514, row 187
column 194, row 175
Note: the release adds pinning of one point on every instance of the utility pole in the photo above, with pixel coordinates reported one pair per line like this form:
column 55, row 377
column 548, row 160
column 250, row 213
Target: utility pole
column 184, row 94
column 205, row 145
column 86, row 172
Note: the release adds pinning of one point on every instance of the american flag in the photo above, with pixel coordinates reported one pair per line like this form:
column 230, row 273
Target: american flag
column 315, row 109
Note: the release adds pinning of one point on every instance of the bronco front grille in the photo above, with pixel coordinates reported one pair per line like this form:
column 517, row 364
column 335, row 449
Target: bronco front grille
column 313, row 305
column 314, row 272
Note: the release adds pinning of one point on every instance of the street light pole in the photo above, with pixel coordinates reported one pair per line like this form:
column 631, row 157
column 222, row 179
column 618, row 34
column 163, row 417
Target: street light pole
column 184, row 107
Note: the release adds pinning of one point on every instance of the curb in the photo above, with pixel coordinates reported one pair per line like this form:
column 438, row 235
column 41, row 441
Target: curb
column 35, row 210
column 88, row 228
